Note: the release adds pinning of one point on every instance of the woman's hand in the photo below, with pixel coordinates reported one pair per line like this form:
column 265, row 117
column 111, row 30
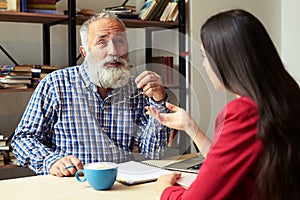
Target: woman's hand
column 179, row 119
column 165, row 181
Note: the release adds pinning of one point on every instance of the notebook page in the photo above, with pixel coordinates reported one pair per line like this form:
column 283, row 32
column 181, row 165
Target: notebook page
column 133, row 172
column 186, row 179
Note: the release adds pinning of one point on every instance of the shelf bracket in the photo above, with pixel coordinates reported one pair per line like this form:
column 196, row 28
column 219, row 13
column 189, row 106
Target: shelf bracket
column 46, row 41
column 185, row 141
column 46, row 44
column 72, row 32
column 8, row 55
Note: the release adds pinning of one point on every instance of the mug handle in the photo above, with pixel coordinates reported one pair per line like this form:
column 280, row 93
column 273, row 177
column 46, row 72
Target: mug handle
column 77, row 175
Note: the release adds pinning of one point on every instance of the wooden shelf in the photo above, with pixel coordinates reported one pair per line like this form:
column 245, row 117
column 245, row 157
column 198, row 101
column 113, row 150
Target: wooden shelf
column 8, row 166
column 26, row 17
column 16, row 90
column 31, row 17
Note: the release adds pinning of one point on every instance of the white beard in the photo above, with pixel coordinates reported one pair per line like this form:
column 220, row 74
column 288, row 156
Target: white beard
column 108, row 77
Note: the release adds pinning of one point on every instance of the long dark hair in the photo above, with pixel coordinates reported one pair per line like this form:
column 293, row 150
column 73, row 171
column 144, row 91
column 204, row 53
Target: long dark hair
column 245, row 59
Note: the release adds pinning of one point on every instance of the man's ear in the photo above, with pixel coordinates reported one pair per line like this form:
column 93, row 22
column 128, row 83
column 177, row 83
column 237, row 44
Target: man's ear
column 83, row 52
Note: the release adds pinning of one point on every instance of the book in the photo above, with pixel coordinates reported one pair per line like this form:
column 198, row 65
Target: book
column 42, row 1
column 23, row 5
column 3, row 142
column 42, row 11
column 158, row 10
column 3, row 4
column 13, row 159
column 147, row 8
column 2, row 163
column 173, row 13
column 13, row 5
column 169, row 8
column 24, row 74
column 133, row 172
column 41, row 6
column 13, row 86
column 23, row 68
column 119, row 11
column 46, row 68
column 4, row 147
column 132, row 15
column 15, row 81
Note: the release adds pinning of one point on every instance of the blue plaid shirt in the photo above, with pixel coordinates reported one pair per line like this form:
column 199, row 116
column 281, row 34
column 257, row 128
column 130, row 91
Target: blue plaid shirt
column 66, row 116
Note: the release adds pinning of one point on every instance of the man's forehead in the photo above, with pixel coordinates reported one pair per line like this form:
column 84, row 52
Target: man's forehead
column 107, row 27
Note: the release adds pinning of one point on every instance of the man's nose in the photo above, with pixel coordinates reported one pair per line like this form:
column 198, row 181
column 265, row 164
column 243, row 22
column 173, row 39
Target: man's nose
column 112, row 50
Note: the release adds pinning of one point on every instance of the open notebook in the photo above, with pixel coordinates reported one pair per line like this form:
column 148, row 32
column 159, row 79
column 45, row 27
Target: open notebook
column 133, row 172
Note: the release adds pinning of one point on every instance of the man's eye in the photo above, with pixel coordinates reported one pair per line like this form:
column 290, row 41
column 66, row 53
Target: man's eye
column 102, row 43
column 119, row 42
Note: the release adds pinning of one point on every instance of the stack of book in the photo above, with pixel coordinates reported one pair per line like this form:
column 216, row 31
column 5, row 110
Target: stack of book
column 6, row 157
column 123, row 11
column 147, row 9
column 12, row 159
column 2, row 163
column 3, row 143
column 170, row 13
column 40, row 71
column 42, row 6
column 18, row 77
column 3, row 148
column 23, row 76
column 159, row 10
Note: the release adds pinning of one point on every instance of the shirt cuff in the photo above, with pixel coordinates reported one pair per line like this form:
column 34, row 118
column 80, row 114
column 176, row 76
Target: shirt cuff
column 159, row 105
column 49, row 160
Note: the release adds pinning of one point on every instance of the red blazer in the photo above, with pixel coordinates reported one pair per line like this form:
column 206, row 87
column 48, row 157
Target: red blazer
column 229, row 170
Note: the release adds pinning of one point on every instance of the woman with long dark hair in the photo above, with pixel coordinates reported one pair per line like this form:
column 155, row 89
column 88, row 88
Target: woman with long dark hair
column 255, row 152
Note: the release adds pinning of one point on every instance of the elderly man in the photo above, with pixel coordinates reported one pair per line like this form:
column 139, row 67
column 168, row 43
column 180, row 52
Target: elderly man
column 93, row 112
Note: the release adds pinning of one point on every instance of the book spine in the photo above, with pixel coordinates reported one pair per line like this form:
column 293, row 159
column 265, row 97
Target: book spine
column 41, row 6
column 12, row 5
column 53, row 2
column 43, row 11
column 23, row 5
column 3, row 4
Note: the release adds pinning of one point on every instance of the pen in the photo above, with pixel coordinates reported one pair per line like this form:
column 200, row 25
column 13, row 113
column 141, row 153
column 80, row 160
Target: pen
column 70, row 166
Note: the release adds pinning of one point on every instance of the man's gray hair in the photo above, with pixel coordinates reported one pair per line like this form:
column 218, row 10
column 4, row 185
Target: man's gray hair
column 85, row 26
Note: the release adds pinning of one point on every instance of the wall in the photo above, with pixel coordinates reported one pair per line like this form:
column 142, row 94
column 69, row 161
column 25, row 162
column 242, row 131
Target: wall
column 11, row 110
column 290, row 37
column 17, row 38
column 206, row 102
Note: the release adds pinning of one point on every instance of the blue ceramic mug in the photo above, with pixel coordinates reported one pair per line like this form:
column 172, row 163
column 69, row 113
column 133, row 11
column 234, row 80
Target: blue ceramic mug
column 100, row 175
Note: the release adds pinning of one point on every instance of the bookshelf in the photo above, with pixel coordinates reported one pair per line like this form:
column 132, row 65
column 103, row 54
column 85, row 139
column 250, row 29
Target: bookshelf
column 71, row 20
column 48, row 20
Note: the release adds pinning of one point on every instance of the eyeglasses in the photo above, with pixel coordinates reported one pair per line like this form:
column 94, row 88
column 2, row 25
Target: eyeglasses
column 128, row 98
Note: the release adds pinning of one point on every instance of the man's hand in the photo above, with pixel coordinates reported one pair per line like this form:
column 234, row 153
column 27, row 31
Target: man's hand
column 66, row 166
column 151, row 84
